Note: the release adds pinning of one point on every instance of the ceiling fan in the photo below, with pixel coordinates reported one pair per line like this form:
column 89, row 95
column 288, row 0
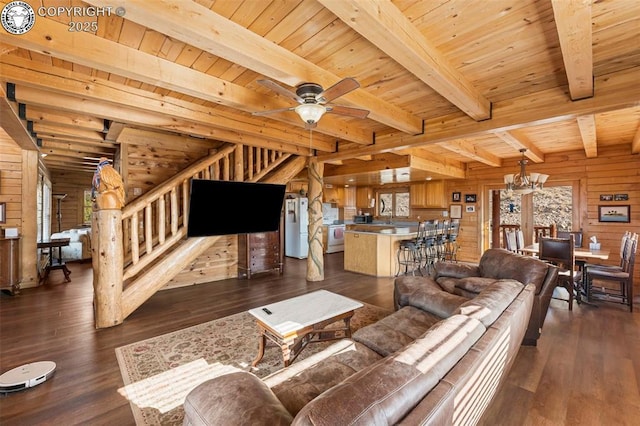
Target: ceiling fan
column 315, row 101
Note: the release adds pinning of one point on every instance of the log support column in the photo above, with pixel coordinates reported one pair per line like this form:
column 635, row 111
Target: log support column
column 315, row 260
column 107, row 258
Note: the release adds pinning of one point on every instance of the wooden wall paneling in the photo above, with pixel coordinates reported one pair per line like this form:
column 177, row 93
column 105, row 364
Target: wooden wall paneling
column 219, row 262
column 29, row 209
column 73, row 184
column 614, row 171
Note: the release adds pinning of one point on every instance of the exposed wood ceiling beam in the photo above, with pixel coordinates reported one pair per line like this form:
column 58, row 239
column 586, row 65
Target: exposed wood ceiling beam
column 587, row 125
column 67, row 82
column 78, row 121
column 444, row 167
column 89, row 135
column 635, row 144
column 155, row 120
column 12, row 124
column 573, row 22
column 115, row 128
column 222, row 37
column 385, row 26
column 614, row 91
column 469, row 150
column 519, row 142
column 377, row 163
column 54, row 39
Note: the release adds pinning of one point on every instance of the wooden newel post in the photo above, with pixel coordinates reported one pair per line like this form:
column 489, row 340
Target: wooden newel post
column 315, row 259
column 107, row 258
column 107, row 245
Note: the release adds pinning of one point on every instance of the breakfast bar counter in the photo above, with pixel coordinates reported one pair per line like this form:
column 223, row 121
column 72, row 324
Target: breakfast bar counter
column 372, row 249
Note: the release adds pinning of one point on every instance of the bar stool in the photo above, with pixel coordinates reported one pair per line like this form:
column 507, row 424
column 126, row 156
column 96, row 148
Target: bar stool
column 410, row 253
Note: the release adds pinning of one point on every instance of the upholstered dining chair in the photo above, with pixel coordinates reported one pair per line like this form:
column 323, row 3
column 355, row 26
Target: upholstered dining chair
column 577, row 236
column 623, row 277
column 560, row 252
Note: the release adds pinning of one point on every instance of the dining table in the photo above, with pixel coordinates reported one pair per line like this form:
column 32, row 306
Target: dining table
column 581, row 254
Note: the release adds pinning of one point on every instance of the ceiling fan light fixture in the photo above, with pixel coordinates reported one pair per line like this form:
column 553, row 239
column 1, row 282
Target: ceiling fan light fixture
column 310, row 113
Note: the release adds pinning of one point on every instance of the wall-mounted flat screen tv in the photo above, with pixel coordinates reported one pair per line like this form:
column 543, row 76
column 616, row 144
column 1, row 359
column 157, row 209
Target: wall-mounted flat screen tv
column 218, row 207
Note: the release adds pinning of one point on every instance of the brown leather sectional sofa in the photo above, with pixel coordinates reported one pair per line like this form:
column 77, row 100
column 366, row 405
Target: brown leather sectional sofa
column 469, row 279
column 439, row 359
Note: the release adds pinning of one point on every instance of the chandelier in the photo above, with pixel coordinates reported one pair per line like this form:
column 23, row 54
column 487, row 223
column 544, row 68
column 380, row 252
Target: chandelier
column 521, row 183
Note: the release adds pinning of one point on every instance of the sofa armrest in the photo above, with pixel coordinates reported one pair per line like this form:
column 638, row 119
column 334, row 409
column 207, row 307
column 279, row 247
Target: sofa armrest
column 235, row 398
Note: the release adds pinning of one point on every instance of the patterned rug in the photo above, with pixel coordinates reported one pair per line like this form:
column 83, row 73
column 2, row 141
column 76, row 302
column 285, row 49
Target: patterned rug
column 159, row 372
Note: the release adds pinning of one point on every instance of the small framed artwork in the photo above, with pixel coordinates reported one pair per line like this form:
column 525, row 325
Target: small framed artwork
column 621, row 197
column 471, row 209
column 456, row 197
column 456, row 211
column 606, row 197
column 469, row 198
column 616, row 214
column 3, row 212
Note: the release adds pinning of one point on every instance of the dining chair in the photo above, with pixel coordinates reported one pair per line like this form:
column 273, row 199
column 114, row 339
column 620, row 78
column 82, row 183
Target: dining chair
column 510, row 241
column 560, row 252
column 540, row 231
column 519, row 240
column 623, row 277
column 577, row 236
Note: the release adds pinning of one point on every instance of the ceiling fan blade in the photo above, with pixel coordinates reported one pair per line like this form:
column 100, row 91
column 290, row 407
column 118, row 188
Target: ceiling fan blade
column 280, row 90
column 272, row 111
column 342, row 87
column 351, row 112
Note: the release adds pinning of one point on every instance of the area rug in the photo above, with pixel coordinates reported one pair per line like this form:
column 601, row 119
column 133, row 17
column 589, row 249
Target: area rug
column 159, row 372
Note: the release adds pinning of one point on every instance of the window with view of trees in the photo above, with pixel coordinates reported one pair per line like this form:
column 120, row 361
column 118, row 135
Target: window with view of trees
column 87, row 208
column 394, row 203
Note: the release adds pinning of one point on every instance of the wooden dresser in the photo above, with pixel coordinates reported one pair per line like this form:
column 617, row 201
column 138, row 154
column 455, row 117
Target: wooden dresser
column 260, row 252
column 10, row 264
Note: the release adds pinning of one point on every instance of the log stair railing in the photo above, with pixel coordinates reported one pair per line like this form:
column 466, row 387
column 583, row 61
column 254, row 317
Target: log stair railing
column 138, row 249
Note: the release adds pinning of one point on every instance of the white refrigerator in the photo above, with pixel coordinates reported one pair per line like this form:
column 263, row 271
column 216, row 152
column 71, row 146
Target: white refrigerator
column 296, row 227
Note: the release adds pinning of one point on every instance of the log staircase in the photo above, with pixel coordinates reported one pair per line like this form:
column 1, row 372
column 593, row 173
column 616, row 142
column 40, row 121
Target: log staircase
column 138, row 249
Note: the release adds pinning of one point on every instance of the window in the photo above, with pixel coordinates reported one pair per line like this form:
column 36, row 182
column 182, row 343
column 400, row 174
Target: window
column 394, row 203
column 87, row 208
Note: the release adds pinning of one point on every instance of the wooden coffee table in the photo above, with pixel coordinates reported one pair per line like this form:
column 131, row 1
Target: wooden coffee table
column 294, row 323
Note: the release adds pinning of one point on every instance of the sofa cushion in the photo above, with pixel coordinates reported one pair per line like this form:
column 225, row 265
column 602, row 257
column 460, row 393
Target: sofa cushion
column 304, row 380
column 472, row 286
column 492, row 301
column 426, row 294
column 395, row 331
column 501, row 264
column 386, row 391
column 235, row 398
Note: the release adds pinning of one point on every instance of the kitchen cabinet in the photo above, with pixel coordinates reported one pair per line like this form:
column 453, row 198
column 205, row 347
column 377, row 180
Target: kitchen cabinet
column 340, row 196
column 364, row 195
column 428, row 195
column 349, row 197
column 260, row 252
column 333, row 195
column 10, row 264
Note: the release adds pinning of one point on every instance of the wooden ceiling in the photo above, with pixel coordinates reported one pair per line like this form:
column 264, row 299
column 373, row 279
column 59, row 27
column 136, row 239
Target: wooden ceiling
column 447, row 82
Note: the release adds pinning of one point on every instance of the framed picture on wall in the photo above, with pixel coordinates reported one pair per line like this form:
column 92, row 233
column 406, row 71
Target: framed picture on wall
column 456, row 197
column 3, row 212
column 471, row 209
column 456, row 211
column 469, row 198
column 615, row 214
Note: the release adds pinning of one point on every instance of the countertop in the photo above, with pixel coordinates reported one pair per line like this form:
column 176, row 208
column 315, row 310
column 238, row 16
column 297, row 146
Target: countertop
column 383, row 229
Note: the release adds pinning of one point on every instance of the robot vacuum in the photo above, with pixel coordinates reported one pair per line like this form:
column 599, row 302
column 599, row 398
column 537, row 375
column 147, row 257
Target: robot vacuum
column 26, row 376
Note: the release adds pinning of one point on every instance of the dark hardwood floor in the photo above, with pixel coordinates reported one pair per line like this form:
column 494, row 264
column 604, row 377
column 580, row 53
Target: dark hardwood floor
column 585, row 369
